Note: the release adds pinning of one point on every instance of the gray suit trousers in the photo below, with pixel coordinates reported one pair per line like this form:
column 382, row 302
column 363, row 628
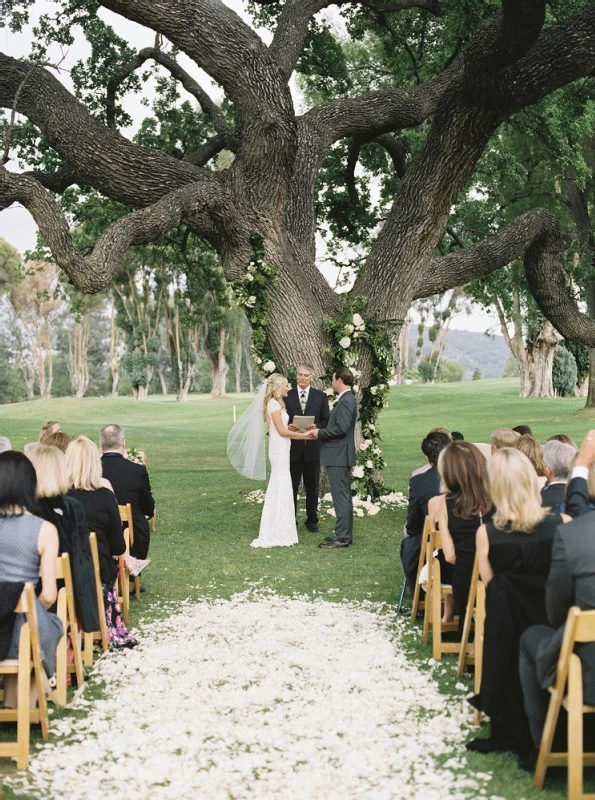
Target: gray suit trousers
column 340, row 481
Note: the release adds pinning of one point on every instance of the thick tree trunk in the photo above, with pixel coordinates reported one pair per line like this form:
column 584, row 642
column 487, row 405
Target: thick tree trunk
column 163, row 381
column 219, row 367
column 114, row 361
column 142, row 392
column 543, row 347
column 78, row 346
column 185, row 388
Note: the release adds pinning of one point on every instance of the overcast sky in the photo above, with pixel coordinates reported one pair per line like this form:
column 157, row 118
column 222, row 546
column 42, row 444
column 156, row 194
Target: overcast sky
column 17, row 226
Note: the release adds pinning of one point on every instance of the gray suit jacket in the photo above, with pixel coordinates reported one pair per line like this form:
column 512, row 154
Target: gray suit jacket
column 338, row 439
column 571, row 582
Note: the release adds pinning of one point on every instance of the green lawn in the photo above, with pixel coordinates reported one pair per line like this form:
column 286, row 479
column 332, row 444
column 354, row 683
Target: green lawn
column 204, row 527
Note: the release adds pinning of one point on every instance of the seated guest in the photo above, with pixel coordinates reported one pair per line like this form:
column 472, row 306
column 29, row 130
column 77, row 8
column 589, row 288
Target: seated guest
column 422, row 488
column 580, row 492
column 571, row 582
column 459, row 512
column 557, row 457
column 58, row 439
column 427, row 465
column 49, row 427
column 562, row 437
column 514, row 555
column 29, row 448
column 534, row 452
column 503, row 437
column 73, row 533
column 83, row 464
column 131, row 485
column 5, row 444
column 457, row 436
column 28, row 546
column 523, row 430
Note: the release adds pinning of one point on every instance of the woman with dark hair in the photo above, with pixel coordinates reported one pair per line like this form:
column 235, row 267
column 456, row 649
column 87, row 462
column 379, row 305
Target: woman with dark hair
column 28, row 545
column 464, row 506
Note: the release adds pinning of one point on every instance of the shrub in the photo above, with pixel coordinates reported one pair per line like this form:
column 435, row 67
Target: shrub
column 564, row 372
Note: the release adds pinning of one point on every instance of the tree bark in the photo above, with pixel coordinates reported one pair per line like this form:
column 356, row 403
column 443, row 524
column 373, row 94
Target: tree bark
column 219, row 367
column 542, row 349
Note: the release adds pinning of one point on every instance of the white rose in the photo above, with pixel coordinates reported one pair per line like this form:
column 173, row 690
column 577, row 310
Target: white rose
column 331, row 511
column 249, row 276
column 269, row 366
column 345, row 342
column 355, row 372
column 356, row 388
column 328, row 498
column 348, row 329
column 369, row 464
column 358, row 472
column 355, row 335
column 359, row 512
column 364, row 445
column 373, row 389
column 258, row 360
column 361, row 327
column 371, row 427
column 373, row 510
column 250, row 301
column 329, row 392
column 357, row 320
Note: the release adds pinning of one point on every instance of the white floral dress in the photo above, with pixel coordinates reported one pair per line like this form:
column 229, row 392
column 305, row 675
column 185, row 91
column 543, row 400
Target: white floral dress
column 277, row 524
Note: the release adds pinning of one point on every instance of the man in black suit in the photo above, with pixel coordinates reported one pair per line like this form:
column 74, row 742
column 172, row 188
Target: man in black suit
column 422, row 487
column 131, row 485
column 571, row 582
column 557, row 457
column 304, row 459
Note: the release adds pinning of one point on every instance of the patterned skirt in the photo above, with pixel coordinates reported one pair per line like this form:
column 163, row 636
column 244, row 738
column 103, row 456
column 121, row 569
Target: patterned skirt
column 117, row 632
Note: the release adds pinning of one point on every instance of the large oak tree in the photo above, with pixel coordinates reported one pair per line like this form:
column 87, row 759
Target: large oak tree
column 512, row 59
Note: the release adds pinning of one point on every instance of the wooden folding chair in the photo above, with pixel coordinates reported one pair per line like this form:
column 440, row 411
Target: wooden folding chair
column 568, row 692
column 67, row 613
column 480, row 618
column 467, row 650
column 126, row 516
column 89, row 638
column 436, row 591
column 29, row 658
column 417, row 604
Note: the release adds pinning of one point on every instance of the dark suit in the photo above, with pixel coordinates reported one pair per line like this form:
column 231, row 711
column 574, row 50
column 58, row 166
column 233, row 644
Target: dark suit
column 304, row 458
column 131, row 485
column 577, row 498
column 337, row 454
column 553, row 496
column 422, row 488
column 571, row 582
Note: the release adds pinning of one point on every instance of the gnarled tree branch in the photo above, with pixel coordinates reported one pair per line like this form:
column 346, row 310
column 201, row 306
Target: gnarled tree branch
column 92, row 273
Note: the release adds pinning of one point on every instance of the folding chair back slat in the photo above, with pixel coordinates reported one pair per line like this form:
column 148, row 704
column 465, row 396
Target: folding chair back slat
column 102, row 633
column 417, row 604
column 126, row 516
column 567, row 692
column 466, row 658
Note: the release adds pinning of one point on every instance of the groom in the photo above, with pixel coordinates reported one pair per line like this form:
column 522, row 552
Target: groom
column 337, row 454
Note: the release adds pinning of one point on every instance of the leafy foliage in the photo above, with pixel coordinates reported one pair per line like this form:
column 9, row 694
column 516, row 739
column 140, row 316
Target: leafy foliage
column 564, row 372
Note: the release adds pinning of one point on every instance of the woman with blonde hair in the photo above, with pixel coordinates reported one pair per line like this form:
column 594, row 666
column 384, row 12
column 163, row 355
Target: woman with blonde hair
column 245, row 448
column 89, row 488
column 73, row 533
column 534, row 452
column 514, row 553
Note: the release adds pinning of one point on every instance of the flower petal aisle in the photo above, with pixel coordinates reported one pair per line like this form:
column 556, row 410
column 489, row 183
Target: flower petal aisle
column 261, row 696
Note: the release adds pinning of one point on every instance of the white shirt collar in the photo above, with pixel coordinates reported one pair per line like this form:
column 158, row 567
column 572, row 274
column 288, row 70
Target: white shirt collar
column 306, row 390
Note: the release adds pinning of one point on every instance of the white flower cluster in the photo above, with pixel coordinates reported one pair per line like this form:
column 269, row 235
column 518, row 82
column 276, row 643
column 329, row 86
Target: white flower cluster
column 363, row 506
column 257, row 496
column 240, row 699
column 352, row 331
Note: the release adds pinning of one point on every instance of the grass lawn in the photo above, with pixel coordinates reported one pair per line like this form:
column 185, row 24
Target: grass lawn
column 201, row 546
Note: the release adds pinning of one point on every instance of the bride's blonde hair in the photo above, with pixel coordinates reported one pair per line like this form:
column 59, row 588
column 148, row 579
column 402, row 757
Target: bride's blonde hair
column 275, row 384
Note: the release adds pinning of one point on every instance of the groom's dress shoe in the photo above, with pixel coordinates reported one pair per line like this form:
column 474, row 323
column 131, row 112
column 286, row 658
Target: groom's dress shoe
column 329, row 538
column 312, row 527
column 333, row 544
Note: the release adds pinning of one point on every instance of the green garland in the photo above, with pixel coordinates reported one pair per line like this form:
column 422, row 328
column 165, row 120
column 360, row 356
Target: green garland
column 251, row 292
column 349, row 331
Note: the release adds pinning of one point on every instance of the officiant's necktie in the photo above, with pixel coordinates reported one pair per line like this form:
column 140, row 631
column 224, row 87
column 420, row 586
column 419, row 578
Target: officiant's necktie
column 303, row 400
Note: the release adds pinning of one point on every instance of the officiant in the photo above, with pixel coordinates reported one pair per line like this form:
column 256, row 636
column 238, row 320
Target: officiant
column 305, row 400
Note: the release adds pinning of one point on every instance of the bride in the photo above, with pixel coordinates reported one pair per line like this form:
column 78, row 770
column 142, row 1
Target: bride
column 245, row 448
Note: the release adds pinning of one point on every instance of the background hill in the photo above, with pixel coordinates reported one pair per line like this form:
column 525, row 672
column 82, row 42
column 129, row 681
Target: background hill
column 472, row 350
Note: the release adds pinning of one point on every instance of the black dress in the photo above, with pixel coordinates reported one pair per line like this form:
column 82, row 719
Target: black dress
column 103, row 517
column 515, row 600
column 69, row 518
column 459, row 574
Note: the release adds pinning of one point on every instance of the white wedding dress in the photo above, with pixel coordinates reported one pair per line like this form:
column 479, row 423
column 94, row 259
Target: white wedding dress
column 277, row 524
